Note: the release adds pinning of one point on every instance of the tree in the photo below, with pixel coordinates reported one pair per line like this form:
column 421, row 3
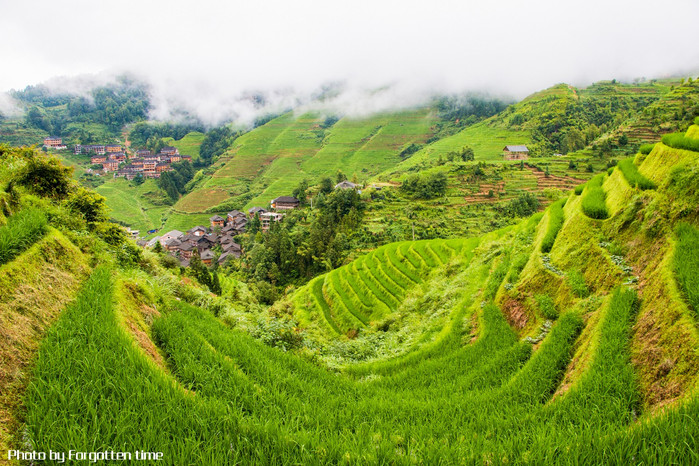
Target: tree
column 623, row 140
column 89, row 204
column 46, row 176
column 216, row 284
column 341, row 176
column 326, row 186
column 467, row 154
column 300, row 191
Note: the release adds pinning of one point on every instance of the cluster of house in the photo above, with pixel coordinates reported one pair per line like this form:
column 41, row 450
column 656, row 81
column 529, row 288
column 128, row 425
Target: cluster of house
column 204, row 241
column 151, row 166
column 110, row 157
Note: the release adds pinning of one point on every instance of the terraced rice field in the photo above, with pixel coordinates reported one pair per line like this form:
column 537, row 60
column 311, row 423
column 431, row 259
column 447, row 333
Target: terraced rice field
column 371, row 287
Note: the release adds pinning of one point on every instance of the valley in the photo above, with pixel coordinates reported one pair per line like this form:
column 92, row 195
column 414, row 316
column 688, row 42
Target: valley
column 446, row 306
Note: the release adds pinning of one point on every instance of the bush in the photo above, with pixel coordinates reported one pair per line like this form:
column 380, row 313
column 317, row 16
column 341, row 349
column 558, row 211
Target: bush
column 576, row 282
column 89, row 204
column 547, row 308
column 46, row 176
column 579, row 189
column 593, row 203
column 523, row 206
column 554, row 226
column 425, row 186
column 680, row 141
column 646, row 149
column 21, row 231
column 633, row 176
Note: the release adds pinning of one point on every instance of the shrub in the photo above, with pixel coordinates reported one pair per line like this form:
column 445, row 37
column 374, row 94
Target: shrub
column 554, row 226
column 547, row 308
column 89, row 204
column 425, row 186
column 646, row 149
column 46, row 176
column 577, row 283
column 523, row 206
column 633, row 176
column 593, row 203
column 579, row 189
column 680, row 141
column 21, row 231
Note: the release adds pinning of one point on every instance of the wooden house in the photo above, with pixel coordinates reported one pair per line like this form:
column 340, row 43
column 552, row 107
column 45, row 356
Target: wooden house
column 515, row 153
column 217, row 221
column 285, row 203
column 255, row 210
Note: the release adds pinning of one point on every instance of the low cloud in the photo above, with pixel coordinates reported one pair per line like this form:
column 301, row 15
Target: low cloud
column 215, row 59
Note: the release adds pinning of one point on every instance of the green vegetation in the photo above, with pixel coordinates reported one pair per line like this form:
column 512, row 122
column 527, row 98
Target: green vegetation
column 593, row 201
column 85, row 120
column 633, row 176
column 188, row 144
column 547, row 307
column 21, row 231
column 686, row 263
column 646, row 149
column 325, row 345
column 577, row 284
column 681, row 141
column 556, row 218
column 425, row 187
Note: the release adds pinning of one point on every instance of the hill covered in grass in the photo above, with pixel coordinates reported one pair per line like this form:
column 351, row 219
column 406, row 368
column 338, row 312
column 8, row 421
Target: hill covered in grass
column 567, row 337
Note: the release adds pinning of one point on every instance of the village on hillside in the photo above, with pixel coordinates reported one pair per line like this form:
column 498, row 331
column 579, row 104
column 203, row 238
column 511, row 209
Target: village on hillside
column 216, row 243
column 113, row 158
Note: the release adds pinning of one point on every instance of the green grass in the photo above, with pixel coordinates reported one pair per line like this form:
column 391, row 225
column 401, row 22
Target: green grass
column 646, row 149
column 547, row 307
column 686, row 264
column 189, row 144
column 556, row 218
column 681, row 141
column 633, row 176
column 23, row 229
column 593, row 201
column 271, row 160
column 141, row 207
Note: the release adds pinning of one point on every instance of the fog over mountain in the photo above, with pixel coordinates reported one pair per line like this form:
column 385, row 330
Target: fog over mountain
column 209, row 57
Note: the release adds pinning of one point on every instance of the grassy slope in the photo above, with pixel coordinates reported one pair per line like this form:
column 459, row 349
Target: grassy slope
column 454, row 340
column 33, row 290
column 271, row 160
column 189, row 144
column 135, row 205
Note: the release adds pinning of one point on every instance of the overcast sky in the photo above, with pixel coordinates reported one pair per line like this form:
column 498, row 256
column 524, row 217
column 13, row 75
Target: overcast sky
column 210, row 51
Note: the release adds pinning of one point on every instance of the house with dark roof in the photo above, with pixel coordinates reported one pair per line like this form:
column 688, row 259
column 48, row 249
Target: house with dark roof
column 255, row 210
column 185, row 250
column 515, row 152
column 234, row 214
column 285, row 203
column 172, row 234
column 207, row 256
column 346, row 185
column 197, row 230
